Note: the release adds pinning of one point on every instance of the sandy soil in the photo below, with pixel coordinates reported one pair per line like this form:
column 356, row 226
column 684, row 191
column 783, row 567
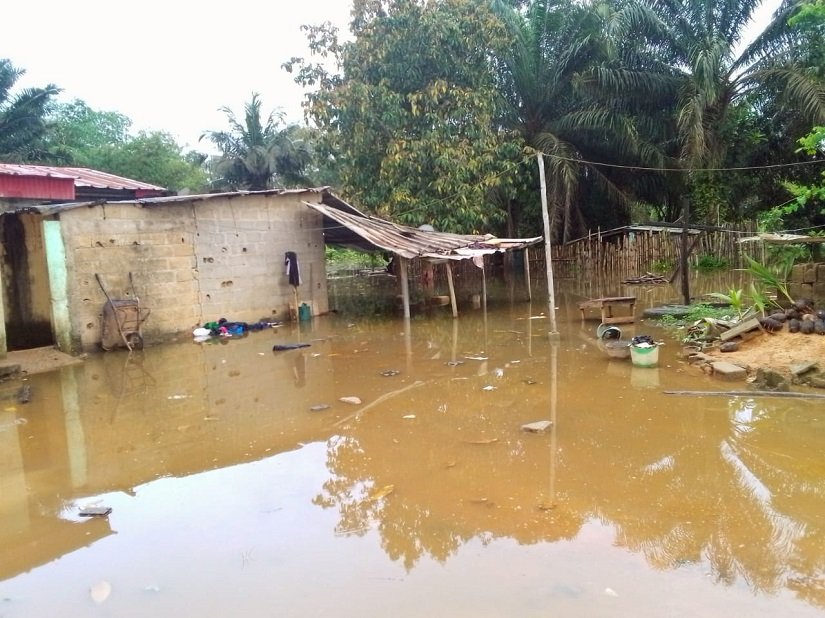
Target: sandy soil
column 777, row 351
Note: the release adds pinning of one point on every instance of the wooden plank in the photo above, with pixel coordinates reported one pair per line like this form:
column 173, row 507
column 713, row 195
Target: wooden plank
column 787, row 394
column 744, row 327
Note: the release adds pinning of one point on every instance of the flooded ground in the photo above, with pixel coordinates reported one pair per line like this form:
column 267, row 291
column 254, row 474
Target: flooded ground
column 230, row 496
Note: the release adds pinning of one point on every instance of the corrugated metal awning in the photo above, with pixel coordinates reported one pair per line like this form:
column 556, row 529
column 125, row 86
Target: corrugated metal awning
column 785, row 239
column 346, row 225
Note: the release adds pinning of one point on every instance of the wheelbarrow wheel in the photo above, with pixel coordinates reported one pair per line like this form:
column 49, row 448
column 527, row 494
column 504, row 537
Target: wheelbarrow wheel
column 135, row 341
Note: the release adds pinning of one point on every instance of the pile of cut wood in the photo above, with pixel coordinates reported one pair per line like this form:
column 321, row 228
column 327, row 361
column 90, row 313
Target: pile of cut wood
column 646, row 279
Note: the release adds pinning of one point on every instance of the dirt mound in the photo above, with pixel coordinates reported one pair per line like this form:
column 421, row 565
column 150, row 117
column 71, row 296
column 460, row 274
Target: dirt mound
column 777, row 351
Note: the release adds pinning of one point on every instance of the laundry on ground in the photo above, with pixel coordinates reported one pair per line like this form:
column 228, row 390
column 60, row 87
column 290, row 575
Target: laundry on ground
column 226, row 328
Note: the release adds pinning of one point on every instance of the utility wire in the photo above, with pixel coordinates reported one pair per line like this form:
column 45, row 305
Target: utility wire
column 684, row 169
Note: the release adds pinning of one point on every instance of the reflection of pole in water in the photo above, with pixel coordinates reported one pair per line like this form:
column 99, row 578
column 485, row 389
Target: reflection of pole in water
column 529, row 329
column 554, row 366
column 483, row 286
column 527, row 273
column 455, row 341
column 485, row 327
column 408, row 343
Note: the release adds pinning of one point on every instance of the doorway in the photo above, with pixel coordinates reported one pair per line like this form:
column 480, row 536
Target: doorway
column 26, row 296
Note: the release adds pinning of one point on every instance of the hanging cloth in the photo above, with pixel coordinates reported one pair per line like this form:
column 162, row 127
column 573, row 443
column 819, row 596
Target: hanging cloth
column 293, row 272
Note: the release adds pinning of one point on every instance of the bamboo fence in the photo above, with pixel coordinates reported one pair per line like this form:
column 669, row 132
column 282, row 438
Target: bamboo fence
column 631, row 253
column 600, row 262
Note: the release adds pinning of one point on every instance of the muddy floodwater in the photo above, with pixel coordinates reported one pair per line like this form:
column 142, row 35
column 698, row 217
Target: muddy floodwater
column 241, row 485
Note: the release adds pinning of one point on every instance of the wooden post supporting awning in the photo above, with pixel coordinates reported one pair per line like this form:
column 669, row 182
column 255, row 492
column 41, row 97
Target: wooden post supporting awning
column 346, row 226
column 451, row 286
column 403, row 265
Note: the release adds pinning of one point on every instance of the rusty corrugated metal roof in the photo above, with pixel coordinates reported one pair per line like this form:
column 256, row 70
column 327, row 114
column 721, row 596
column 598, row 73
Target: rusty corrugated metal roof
column 344, row 224
column 407, row 242
column 21, row 169
column 51, row 209
column 83, row 177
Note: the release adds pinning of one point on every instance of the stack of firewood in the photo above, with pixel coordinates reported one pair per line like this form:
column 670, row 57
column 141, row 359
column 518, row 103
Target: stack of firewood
column 646, row 279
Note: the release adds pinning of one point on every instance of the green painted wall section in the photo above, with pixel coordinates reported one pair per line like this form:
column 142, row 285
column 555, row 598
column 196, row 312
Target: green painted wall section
column 3, row 344
column 58, row 284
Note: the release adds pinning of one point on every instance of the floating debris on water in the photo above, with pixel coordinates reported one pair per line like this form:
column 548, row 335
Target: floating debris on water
column 95, row 511
column 537, row 426
column 484, row 441
column 100, row 591
column 379, row 494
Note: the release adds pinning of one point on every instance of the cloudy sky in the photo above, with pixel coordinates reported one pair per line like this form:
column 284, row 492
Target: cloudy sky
column 169, row 64
column 166, row 64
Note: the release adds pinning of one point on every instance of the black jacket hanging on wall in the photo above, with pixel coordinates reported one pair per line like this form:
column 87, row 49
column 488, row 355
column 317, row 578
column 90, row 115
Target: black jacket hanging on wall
column 293, row 272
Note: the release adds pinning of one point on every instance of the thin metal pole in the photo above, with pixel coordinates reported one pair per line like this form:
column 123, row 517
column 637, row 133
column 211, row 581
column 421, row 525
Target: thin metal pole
column 527, row 273
column 683, row 261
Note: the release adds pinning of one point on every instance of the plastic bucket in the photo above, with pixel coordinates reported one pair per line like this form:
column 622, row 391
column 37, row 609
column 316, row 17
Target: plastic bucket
column 606, row 331
column 617, row 349
column 644, row 355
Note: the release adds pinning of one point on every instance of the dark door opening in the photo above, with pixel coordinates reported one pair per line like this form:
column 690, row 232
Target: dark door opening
column 25, row 283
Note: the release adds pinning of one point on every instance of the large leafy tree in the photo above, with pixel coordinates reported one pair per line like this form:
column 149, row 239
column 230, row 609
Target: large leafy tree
column 409, row 111
column 806, row 209
column 259, row 152
column 77, row 131
column 154, row 157
column 22, row 116
column 84, row 137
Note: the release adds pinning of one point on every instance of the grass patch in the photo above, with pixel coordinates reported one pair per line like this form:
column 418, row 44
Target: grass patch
column 689, row 327
column 711, row 263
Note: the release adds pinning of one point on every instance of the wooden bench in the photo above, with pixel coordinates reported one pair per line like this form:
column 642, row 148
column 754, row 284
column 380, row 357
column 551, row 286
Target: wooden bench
column 606, row 305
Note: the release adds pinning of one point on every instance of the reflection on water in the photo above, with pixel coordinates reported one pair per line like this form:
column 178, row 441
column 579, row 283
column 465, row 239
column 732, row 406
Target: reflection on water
column 231, row 496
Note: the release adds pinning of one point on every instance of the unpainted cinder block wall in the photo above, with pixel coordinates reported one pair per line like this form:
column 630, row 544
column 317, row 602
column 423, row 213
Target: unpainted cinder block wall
column 808, row 281
column 192, row 261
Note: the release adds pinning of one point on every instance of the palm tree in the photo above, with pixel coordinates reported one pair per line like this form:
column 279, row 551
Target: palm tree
column 696, row 53
column 553, row 43
column 22, row 117
column 259, row 154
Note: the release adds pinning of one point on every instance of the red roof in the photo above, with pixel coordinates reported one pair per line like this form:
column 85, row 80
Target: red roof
column 82, row 177
column 48, row 182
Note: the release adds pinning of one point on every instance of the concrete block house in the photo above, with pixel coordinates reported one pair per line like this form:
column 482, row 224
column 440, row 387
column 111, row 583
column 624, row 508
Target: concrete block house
column 189, row 259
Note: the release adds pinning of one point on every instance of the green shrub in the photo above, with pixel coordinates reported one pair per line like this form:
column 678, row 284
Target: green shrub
column 665, row 265
column 709, row 263
column 349, row 259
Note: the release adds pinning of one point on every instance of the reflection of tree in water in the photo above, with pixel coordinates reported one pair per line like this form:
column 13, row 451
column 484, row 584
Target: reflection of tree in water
column 733, row 489
column 779, row 452
column 399, row 524
column 733, row 486
column 447, row 489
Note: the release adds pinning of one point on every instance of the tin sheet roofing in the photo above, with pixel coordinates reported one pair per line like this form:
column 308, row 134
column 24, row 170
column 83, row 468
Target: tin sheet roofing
column 83, row 177
column 50, row 209
column 346, row 225
column 785, row 239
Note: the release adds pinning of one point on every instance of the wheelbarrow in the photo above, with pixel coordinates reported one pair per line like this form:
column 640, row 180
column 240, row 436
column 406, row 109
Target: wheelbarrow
column 122, row 320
